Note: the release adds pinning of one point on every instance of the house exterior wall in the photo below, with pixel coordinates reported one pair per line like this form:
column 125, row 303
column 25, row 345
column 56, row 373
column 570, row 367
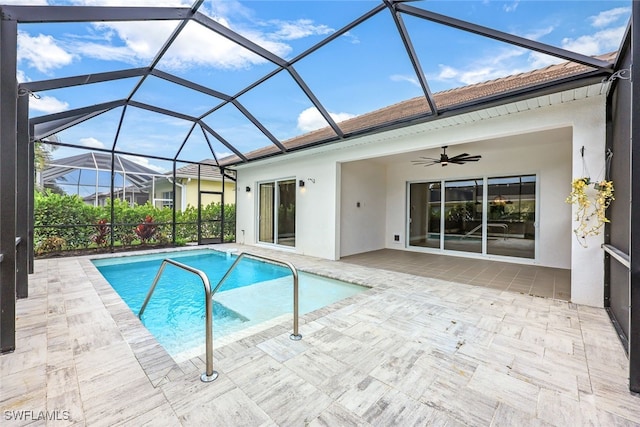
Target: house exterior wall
column 327, row 222
column 192, row 191
column 363, row 203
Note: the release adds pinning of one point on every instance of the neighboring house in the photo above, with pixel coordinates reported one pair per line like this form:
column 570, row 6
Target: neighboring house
column 89, row 176
column 368, row 193
column 188, row 187
column 132, row 194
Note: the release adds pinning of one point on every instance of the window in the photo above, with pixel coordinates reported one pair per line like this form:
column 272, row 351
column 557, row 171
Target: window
column 167, row 199
column 461, row 218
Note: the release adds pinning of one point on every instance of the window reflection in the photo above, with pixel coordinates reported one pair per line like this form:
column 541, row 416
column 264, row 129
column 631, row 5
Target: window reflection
column 511, row 216
column 463, row 216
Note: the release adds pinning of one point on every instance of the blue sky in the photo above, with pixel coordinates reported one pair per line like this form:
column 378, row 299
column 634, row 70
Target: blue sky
column 359, row 72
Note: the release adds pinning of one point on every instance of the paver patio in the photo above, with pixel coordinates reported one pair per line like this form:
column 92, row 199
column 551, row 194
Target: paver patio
column 410, row 351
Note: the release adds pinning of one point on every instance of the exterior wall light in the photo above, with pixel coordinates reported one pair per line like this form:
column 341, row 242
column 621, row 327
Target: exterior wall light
column 247, row 189
column 301, row 183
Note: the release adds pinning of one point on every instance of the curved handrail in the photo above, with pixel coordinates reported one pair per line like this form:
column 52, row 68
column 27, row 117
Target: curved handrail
column 295, row 336
column 209, row 374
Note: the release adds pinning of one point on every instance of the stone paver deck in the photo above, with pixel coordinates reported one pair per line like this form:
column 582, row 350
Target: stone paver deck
column 410, row 351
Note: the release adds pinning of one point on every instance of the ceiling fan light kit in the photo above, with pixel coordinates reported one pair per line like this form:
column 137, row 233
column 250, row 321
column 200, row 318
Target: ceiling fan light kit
column 444, row 159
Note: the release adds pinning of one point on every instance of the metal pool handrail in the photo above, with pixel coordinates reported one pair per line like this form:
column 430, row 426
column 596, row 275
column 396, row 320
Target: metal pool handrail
column 295, row 335
column 209, row 375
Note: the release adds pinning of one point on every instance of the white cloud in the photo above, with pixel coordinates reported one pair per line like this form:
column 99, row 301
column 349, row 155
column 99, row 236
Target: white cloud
column 594, row 44
column 47, row 104
column 138, row 42
column 292, row 30
column 489, row 68
column 145, row 162
column 402, row 78
column 609, row 16
column 511, row 7
column 42, row 52
column 311, row 119
column 21, row 76
column 91, row 143
column 539, row 60
column 196, row 46
column 539, row 33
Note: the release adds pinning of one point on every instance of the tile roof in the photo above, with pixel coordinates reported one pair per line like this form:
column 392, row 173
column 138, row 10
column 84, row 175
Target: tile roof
column 417, row 107
column 191, row 171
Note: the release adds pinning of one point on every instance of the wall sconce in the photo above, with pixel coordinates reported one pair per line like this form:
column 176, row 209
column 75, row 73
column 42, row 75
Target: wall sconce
column 301, row 183
column 247, row 189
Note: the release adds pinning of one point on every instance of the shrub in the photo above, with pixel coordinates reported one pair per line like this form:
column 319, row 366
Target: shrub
column 80, row 225
column 146, row 229
column 50, row 244
column 103, row 230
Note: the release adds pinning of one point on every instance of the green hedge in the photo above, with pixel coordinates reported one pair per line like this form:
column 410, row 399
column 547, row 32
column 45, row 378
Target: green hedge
column 65, row 222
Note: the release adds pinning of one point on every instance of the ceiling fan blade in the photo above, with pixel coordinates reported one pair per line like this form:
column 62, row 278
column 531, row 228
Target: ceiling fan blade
column 459, row 156
column 424, row 163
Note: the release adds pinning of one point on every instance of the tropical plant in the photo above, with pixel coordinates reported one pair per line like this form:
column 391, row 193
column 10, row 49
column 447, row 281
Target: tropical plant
column 146, row 230
column 101, row 237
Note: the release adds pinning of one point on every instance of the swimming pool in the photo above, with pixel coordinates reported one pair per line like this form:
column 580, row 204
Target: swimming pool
column 255, row 292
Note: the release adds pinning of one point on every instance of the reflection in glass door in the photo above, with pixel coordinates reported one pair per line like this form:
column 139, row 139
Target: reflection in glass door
column 463, row 215
column 424, row 214
column 277, row 225
column 287, row 213
column 511, row 216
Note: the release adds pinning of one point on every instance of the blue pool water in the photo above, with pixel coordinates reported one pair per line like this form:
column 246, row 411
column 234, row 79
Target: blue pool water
column 254, row 292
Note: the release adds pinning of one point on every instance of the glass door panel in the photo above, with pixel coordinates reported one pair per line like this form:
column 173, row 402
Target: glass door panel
column 424, row 214
column 287, row 213
column 463, row 215
column 511, row 216
column 266, row 223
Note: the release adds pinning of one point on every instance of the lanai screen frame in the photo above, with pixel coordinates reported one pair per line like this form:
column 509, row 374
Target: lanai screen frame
column 17, row 132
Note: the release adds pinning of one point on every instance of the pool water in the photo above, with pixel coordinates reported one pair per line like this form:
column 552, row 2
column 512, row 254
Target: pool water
column 255, row 292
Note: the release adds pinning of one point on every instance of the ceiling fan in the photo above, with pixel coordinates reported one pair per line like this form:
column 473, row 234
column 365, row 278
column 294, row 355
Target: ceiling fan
column 444, row 160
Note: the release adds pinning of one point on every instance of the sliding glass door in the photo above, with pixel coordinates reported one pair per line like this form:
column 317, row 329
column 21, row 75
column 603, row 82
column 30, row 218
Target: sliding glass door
column 511, row 216
column 424, row 215
column 277, row 212
column 463, row 218
column 463, row 215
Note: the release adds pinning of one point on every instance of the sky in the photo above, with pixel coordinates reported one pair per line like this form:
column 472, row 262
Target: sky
column 358, row 72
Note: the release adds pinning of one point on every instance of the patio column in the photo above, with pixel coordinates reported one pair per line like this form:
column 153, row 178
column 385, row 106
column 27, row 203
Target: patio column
column 634, row 253
column 24, row 176
column 8, row 107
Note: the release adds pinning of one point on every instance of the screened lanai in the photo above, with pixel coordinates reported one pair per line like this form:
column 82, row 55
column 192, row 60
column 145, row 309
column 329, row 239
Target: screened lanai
column 89, row 176
column 178, row 83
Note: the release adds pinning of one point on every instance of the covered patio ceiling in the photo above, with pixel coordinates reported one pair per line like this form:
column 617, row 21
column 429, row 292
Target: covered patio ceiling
column 222, row 117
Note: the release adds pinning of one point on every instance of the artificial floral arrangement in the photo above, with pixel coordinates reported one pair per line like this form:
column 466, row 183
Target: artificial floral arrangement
column 590, row 212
